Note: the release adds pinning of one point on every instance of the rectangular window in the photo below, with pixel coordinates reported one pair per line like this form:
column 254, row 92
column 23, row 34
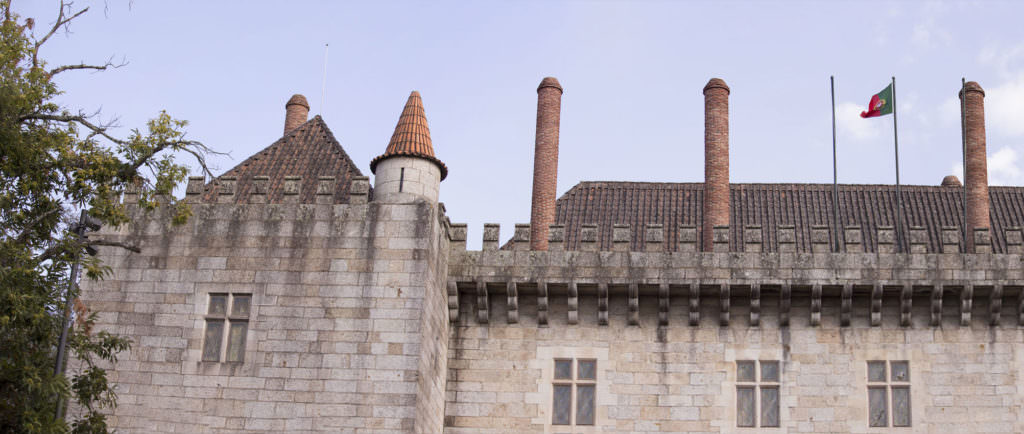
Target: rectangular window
column 757, row 393
column 888, row 393
column 574, row 388
column 224, row 339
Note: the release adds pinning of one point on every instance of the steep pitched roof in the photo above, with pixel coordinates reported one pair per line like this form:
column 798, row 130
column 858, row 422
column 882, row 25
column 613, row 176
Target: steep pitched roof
column 411, row 137
column 308, row 151
column 772, row 205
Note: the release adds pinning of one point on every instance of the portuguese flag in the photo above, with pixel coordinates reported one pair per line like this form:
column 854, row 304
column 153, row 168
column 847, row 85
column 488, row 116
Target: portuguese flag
column 881, row 104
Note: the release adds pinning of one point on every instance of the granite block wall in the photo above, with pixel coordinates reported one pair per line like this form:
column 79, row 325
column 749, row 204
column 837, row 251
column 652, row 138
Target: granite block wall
column 346, row 333
column 681, row 378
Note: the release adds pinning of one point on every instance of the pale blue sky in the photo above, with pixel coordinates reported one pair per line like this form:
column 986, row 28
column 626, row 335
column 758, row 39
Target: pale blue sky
column 632, row 73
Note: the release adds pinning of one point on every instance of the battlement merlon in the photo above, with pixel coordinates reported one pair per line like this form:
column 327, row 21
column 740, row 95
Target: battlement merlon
column 816, row 274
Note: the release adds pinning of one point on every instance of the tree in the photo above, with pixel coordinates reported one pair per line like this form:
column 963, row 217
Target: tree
column 54, row 163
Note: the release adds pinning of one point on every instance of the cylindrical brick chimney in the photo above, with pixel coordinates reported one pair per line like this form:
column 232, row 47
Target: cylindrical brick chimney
column 716, row 159
column 976, row 172
column 545, row 162
column 295, row 112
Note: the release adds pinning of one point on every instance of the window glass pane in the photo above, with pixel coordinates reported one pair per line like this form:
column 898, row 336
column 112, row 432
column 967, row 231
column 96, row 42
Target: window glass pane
column 876, row 371
column 900, row 406
column 563, row 369
column 240, row 305
column 877, row 413
column 769, row 371
column 745, row 371
column 584, row 405
column 769, row 406
column 236, row 341
column 900, row 371
column 218, row 304
column 562, row 403
column 745, row 406
column 211, row 344
column 587, row 370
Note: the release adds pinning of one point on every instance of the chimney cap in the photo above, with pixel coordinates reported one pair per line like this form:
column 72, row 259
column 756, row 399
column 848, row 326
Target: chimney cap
column 550, row 82
column 297, row 99
column 716, row 83
column 973, row 86
column 951, row 181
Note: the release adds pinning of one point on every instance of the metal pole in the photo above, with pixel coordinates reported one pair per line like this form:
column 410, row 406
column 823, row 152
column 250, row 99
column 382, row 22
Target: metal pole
column 835, row 172
column 899, row 199
column 963, row 149
column 72, row 283
column 323, row 87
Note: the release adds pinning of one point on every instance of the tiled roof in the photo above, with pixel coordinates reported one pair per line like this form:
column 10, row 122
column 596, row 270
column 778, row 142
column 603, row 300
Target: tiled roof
column 309, row 151
column 772, row 205
column 412, row 136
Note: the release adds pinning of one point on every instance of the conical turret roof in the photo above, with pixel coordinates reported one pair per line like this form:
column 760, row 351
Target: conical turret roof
column 411, row 137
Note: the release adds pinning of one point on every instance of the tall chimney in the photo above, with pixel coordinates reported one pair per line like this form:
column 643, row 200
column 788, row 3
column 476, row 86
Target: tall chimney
column 545, row 162
column 716, row 159
column 295, row 112
column 976, row 172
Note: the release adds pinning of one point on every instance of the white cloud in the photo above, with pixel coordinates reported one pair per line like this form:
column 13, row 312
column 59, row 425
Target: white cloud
column 1004, row 107
column 1003, row 168
column 1005, row 60
column 850, row 124
column 928, row 33
column 949, row 110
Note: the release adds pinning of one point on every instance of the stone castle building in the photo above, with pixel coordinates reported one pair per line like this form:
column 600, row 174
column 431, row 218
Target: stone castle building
column 300, row 299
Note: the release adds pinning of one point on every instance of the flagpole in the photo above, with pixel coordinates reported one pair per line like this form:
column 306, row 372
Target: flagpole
column 963, row 149
column 835, row 172
column 899, row 199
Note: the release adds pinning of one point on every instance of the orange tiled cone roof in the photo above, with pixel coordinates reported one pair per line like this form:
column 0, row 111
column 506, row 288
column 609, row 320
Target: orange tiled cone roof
column 412, row 136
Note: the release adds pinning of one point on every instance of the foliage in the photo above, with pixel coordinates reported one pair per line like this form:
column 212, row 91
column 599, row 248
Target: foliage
column 54, row 163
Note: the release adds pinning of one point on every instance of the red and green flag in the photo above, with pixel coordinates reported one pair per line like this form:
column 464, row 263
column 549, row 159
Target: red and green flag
column 881, row 104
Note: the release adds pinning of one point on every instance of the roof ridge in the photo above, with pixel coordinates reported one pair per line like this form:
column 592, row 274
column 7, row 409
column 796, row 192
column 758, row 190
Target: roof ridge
column 808, row 184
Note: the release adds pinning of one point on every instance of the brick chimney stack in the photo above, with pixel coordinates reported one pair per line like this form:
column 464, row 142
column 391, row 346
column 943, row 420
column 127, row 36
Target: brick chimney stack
column 545, row 162
column 295, row 112
column 716, row 159
column 976, row 172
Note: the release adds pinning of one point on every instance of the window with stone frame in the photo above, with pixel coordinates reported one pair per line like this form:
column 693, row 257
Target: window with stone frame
column 757, row 393
column 227, row 324
column 574, row 388
column 888, row 393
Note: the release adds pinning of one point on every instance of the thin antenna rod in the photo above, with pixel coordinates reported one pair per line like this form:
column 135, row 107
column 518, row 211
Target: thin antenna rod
column 323, row 88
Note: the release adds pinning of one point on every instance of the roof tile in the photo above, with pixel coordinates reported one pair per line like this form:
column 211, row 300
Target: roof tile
column 773, row 205
column 309, row 151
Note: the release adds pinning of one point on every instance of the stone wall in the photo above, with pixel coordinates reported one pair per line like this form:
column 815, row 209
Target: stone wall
column 347, row 330
column 682, row 378
column 667, row 329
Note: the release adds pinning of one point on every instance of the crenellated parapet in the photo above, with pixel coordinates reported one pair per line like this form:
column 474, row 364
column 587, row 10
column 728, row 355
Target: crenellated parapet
column 851, row 279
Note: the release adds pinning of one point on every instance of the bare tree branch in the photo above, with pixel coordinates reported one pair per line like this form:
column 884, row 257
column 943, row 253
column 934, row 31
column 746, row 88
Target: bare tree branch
column 61, row 21
column 195, row 148
column 80, row 119
column 108, row 64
